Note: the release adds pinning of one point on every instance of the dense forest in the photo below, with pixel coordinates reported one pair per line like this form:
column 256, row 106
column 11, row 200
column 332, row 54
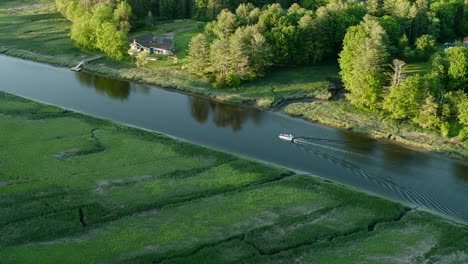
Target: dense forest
column 372, row 41
column 176, row 9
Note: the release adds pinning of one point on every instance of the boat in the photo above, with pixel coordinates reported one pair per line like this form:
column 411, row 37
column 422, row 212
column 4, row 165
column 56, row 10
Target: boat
column 286, row 137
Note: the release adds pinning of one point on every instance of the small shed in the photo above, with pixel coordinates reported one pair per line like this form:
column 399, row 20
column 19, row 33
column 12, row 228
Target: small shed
column 153, row 44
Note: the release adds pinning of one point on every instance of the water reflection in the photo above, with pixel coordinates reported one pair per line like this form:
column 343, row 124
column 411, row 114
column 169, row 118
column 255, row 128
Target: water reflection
column 117, row 89
column 223, row 115
column 356, row 142
column 461, row 171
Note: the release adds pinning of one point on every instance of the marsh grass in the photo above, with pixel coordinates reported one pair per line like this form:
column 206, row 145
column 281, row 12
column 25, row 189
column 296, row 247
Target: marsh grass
column 78, row 188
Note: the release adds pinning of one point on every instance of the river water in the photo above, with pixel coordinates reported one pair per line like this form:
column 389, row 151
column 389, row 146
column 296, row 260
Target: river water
column 420, row 179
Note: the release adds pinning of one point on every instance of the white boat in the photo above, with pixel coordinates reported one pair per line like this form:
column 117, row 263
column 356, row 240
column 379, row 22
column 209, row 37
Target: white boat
column 286, row 137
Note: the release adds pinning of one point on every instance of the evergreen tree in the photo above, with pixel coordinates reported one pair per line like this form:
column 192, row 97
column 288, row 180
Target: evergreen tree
column 198, row 55
column 225, row 25
column 260, row 54
column 427, row 117
column 239, row 53
column 149, row 20
column 361, row 61
column 463, row 117
column 374, row 7
column 121, row 16
column 220, row 62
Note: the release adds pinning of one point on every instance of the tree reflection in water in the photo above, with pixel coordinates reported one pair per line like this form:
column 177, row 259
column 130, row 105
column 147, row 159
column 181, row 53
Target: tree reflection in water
column 223, row 114
column 117, row 89
column 461, row 171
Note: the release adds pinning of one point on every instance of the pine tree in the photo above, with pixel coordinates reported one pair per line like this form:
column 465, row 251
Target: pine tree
column 149, row 20
column 198, row 55
column 361, row 61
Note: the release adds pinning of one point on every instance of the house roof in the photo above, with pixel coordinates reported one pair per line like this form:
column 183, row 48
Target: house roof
column 149, row 41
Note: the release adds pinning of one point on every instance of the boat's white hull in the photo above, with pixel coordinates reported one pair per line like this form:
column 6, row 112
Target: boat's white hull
column 286, row 137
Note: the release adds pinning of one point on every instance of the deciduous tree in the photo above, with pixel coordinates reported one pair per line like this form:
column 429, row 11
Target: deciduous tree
column 404, row 99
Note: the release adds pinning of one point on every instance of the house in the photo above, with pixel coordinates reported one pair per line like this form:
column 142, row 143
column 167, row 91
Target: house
column 153, row 44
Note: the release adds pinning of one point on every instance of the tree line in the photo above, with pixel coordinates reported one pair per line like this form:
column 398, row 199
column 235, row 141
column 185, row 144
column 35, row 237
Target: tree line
column 372, row 41
column 101, row 25
column 206, row 10
column 435, row 100
column 241, row 45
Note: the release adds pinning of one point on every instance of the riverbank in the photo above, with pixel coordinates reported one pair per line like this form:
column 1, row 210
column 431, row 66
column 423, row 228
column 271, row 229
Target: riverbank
column 343, row 115
column 75, row 187
column 33, row 30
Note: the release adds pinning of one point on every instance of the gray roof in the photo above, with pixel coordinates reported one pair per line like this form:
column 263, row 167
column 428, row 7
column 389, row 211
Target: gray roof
column 149, row 41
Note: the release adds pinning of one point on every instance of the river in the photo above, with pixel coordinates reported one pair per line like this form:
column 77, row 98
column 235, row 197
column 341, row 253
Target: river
column 420, row 179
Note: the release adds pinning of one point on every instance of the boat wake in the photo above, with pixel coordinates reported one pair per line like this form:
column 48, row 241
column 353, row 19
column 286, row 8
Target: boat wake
column 404, row 193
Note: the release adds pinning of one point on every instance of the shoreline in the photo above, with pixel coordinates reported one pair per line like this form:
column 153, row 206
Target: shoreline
column 456, row 152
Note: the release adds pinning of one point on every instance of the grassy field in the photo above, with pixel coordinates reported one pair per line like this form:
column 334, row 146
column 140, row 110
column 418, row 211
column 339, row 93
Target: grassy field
column 34, row 30
column 77, row 189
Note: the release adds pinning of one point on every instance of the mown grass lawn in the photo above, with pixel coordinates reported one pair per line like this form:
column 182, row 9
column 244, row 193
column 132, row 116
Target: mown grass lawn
column 78, row 189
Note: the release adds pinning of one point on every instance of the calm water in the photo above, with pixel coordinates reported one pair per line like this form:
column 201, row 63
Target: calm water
column 420, row 179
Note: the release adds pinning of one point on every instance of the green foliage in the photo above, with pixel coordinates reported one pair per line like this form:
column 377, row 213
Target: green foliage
column 240, row 51
column 225, row 25
column 329, row 28
column 461, row 102
column 121, row 16
column 142, row 59
column 364, row 53
column 103, row 28
column 457, row 72
column 111, row 41
column 82, row 32
column 425, row 46
column 427, row 116
column 397, row 42
column 149, row 20
column 374, row 7
column 450, row 17
column 219, row 62
column 403, row 101
column 232, row 80
column 258, row 39
column 198, row 54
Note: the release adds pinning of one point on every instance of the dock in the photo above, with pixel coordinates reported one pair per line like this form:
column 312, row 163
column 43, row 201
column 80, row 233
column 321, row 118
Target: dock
column 78, row 67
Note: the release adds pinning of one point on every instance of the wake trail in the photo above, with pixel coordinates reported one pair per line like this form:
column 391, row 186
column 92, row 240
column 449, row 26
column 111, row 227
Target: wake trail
column 301, row 141
column 405, row 193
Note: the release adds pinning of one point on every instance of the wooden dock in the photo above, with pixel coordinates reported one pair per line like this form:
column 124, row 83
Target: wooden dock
column 80, row 65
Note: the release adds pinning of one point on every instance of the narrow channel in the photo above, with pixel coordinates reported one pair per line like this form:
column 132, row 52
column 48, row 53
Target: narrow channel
column 420, row 179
